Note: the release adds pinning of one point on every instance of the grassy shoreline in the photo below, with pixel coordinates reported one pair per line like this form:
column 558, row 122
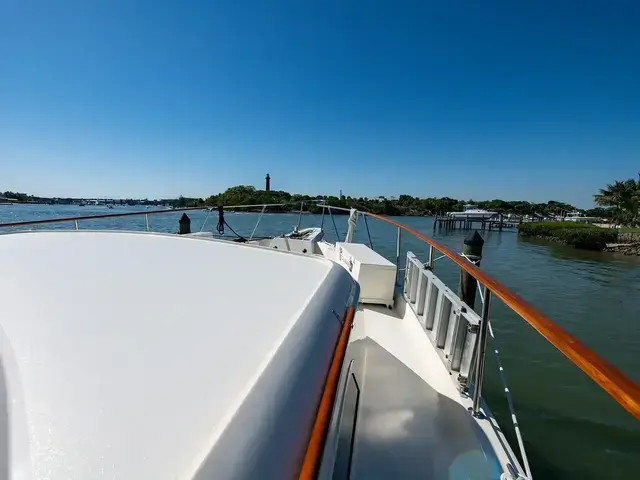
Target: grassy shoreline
column 578, row 235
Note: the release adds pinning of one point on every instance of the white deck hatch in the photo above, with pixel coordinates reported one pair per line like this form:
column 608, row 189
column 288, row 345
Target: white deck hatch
column 375, row 274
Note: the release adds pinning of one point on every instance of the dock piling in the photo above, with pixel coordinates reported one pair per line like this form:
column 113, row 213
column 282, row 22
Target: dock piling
column 472, row 249
column 184, row 225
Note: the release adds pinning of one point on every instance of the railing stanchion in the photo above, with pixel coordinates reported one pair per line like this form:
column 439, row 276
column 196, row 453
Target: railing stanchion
column 472, row 251
column 334, row 225
column 258, row 223
column 398, row 242
column 75, row 222
column 368, row 232
column 300, row 215
column 146, row 219
column 480, row 352
column 432, row 252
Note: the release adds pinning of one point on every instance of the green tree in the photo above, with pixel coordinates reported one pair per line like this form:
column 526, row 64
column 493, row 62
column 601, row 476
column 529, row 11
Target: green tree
column 624, row 197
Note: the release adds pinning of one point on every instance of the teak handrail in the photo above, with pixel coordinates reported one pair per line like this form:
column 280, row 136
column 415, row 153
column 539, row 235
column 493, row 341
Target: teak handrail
column 624, row 390
column 313, row 455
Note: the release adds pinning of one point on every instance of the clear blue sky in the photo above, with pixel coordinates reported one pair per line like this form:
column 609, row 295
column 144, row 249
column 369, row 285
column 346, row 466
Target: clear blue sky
column 531, row 100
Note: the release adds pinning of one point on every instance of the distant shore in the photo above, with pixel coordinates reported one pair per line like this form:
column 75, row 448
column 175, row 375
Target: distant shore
column 584, row 236
column 401, row 205
column 628, row 243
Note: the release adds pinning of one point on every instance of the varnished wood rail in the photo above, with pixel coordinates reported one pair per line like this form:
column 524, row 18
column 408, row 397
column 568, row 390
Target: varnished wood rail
column 315, row 447
column 624, row 390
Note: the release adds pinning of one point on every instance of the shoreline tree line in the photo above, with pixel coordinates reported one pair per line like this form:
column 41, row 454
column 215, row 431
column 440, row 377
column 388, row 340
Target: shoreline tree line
column 619, row 201
column 402, row 205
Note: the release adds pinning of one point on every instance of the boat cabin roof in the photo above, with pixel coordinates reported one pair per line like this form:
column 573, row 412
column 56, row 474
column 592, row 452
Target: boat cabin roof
column 139, row 355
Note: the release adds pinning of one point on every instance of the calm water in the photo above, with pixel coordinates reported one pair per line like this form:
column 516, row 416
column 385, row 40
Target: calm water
column 572, row 429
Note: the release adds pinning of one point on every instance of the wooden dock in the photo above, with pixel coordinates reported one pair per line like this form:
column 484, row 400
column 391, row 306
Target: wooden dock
column 445, row 223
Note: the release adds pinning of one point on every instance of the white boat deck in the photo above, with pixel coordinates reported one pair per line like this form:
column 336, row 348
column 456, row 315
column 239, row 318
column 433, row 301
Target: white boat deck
column 145, row 356
column 406, row 341
column 411, row 420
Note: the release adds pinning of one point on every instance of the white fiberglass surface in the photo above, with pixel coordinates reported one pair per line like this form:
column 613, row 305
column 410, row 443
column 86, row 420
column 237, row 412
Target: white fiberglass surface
column 412, row 421
column 123, row 353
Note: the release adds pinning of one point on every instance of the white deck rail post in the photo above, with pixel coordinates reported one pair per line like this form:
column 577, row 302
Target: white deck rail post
column 472, row 251
column 353, row 221
column 431, row 255
column 368, row 232
column 399, row 240
column 300, row 215
column 480, row 352
column 260, row 218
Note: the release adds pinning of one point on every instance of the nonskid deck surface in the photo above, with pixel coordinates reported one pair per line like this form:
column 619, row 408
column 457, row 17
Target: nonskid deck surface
column 409, row 421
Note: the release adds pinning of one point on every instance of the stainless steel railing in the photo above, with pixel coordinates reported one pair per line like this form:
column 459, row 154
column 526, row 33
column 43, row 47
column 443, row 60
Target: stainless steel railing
column 78, row 219
column 450, row 324
column 621, row 388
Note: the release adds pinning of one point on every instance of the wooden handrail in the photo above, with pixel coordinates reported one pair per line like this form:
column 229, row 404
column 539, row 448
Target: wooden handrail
column 313, row 455
column 624, row 390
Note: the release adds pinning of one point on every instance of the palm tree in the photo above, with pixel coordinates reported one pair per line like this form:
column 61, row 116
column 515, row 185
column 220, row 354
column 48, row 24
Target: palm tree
column 625, row 197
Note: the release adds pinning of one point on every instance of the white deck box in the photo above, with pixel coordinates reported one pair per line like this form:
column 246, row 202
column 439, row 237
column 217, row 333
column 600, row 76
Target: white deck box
column 375, row 274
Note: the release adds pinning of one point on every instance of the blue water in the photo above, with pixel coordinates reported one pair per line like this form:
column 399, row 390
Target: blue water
column 572, row 429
